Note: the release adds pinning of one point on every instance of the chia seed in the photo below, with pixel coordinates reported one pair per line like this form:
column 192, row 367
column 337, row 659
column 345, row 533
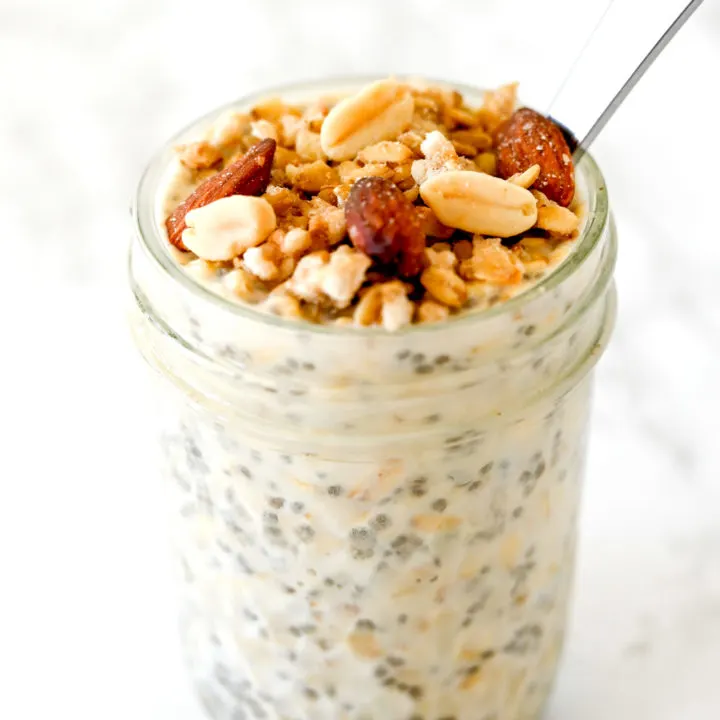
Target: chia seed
column 380, row 522
column 525, row 640
column 362, row 553
column 417, row 486
column 528, row 481
column 362, row 538
column 305, row 533
column 406, row 545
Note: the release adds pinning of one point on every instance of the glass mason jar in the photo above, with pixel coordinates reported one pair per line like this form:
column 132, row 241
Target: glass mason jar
column 372, row 524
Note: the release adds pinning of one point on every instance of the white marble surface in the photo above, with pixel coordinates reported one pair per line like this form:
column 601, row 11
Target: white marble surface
column 87, row 90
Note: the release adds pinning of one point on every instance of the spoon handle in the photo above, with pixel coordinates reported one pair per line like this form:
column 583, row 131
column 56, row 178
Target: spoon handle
column 623, row 34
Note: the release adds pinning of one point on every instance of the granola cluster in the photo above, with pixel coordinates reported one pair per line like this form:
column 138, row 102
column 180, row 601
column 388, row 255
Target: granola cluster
column 400, row 204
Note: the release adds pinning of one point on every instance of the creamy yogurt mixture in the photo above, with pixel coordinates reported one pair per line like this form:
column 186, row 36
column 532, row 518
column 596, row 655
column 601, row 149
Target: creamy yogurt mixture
column 373, row 524
column 425, row 582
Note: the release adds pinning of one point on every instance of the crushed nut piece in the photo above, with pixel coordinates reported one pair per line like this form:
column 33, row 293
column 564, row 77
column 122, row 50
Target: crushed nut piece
column 336, row 277
column 263, row 261
column 264, row 129
column 413, row 193
column 397, row 310
column 315, row 114
column 476, row 138
column 327, row 224
column 554, row 218
column 307, row 144
column 412, row 139
column 240, row 283
column 493, row 262
column 280, row 302
column 430, row 311
column 487, row 163
column 312, row 177
column 386, row 151
column 464, row 149
column 229, row 129
column 306, row 281
column 352, row 171
column 293, row 242
column 271, row 109
column 341, row 193
column 285, row 157
column 290, row 127
column 386, row 304
column 344, row 275
column 441, row 258
column 444, row 285
column 498, row 106
column 282, row 199
column 431, row 226
column 440, row 156
column 527, row 178
column 199, row 155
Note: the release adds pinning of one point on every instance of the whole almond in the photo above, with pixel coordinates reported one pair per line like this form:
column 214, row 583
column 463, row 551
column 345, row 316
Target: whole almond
column 248, row 175
column 479, row 203
column 529, row 138
column 384, row 224
column 380, row 111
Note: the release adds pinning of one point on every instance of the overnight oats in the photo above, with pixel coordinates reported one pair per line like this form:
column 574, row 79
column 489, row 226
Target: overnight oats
column 374, row 309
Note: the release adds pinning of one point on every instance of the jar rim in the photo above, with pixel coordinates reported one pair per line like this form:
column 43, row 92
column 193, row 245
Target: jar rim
column 146, row 229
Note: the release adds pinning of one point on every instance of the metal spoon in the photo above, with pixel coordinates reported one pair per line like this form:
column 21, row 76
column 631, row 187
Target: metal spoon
column 583, row 122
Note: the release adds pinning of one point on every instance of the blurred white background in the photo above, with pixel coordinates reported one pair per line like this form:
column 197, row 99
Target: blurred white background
column 89, row 89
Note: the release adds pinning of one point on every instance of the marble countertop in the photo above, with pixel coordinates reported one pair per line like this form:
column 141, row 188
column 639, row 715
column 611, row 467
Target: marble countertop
column 87, row 628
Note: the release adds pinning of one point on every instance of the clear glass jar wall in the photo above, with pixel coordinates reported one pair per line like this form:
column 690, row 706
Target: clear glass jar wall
column 374, row 525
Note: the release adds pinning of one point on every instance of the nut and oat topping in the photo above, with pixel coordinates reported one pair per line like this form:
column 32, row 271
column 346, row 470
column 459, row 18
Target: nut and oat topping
column 399, row 204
